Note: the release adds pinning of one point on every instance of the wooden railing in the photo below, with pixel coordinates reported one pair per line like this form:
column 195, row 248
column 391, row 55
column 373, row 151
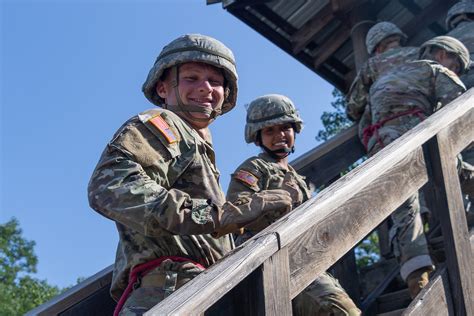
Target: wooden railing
column 293, row 251
column 282, row 260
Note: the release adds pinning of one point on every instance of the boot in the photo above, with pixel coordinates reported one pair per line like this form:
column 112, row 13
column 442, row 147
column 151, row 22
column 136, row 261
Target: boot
column 417, row 280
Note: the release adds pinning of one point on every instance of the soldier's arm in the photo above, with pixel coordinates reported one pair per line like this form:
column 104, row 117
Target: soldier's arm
column 448, row 87
column 358, row 95
column 121, row 190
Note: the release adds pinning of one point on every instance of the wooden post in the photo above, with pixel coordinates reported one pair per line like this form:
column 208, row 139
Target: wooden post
column 441, row 162
column 361, row 22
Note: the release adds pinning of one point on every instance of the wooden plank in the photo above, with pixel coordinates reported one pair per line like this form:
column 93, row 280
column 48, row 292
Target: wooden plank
column 434, row 300
column 276, row 284
column 323, row 243
column 345, row 271
column 326, row 161
column 461, row 132
column 344, row 6
column 311, row 28
column 219, row 278
column 331, row 45
column 450, row 210
column 425, row 17
column 76, row 294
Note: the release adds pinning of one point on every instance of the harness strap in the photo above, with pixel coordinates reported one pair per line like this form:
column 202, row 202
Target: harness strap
column 373, row 129
column 143, row 269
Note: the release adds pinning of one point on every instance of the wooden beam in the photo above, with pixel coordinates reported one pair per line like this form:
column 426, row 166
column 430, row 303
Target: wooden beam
column 344, row 6
column 311, row 28
column 276, row 284
column 434, row 300
column 425, row 17
column 78, row 293
column 325, row 162
column 450, row 210
column 331, row 45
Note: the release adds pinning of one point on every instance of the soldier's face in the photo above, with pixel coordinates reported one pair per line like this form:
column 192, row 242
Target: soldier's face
column 278, row 137
column 199, row 84
column 449, row 61
column 387, row 44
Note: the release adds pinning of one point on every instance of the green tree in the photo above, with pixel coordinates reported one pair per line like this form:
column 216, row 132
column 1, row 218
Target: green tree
column 19, row 290
column 367, row 252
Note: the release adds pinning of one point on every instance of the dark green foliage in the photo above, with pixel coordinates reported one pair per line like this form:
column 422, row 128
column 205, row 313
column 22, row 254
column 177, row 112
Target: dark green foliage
column 367, row 252
column 335, row 121
column 19, row 290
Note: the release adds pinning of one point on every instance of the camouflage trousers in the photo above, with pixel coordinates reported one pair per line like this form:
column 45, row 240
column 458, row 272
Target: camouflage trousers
column 324, row 297
column 408, row 239
column 156, row 285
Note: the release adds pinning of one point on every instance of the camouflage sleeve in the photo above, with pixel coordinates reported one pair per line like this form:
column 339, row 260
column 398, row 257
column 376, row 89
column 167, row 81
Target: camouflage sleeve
column 121, row 190
column 245, row 181
column 448, row 87
column 358, row 95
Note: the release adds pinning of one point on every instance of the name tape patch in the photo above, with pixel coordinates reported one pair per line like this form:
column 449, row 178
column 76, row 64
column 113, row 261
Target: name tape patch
column 246, row 177
column 164, row 129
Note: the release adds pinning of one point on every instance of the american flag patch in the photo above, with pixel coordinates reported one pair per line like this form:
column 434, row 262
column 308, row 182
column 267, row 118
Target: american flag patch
column 246, row 177
column 164, row 128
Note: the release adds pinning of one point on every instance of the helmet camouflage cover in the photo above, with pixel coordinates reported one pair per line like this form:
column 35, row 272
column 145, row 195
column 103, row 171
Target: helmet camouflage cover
column 451, row 45
column 379, row 32
column 269, row 110
column 194, row 48
column 463, row 7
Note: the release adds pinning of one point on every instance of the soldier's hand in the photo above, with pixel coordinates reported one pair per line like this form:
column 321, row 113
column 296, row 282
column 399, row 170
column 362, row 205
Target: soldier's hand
column 291, row 186
column 246, row 209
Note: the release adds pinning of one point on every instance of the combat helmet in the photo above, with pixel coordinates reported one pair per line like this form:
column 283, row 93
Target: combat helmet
column 269, row 110
column 451, row 45
column 379, row 32
column 458, row 12
column 194, row 48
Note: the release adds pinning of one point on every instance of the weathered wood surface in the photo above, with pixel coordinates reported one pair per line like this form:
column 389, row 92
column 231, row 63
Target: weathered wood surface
column 201, row 292
column 76, row 294
column 276, row 284
column 340, row 224
column 325, row 220
column 332, row 44
column 434, row 299
column 307, row 32
column 450, row 210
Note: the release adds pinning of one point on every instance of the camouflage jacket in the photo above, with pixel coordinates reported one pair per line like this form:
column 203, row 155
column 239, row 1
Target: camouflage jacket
column 418, row 85
column 157, row 180
column 465, row 33
column 376, row 66
column 257, row 174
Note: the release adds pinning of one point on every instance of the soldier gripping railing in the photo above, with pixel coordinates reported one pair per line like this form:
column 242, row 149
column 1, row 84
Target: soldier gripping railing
column 264, row 274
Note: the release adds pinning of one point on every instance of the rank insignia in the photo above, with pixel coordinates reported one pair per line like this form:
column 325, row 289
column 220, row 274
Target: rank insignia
column 246, row 177
column 164, row 129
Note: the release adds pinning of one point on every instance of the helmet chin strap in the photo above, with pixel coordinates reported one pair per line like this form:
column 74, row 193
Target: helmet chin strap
column 190, row 108
column 273, row 153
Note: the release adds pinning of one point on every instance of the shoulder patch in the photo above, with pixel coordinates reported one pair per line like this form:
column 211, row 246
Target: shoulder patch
column 164, row 128
column 246, row 177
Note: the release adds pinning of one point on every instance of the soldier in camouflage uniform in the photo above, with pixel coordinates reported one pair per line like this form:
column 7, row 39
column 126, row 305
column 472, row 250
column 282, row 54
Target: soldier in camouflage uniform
column 272, row 122
column 158, row 181
column 399, row 100
column 383, row 43
column 460, row 23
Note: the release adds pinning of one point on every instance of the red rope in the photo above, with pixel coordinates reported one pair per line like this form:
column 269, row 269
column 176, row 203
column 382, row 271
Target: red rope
column 373, row 129
column 143, row 269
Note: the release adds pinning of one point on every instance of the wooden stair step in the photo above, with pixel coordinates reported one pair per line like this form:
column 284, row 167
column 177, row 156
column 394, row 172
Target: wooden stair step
column 393, row 301
column 397, row 312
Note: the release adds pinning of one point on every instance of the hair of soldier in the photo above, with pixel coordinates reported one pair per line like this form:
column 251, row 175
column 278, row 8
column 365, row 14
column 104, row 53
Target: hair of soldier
column 431, row 52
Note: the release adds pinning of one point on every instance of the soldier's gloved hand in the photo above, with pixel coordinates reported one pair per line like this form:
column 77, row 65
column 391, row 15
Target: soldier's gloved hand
column 291, row 186
column 246, row 209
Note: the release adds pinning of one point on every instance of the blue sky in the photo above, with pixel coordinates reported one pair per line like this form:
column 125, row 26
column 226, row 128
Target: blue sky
column 71, row 74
